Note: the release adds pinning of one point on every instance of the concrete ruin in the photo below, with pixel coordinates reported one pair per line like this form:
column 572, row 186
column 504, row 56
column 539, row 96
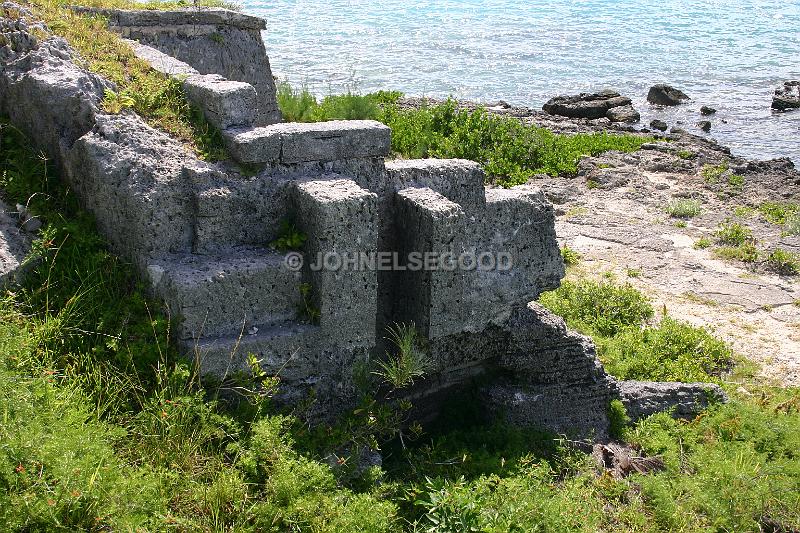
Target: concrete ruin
column 200, row 232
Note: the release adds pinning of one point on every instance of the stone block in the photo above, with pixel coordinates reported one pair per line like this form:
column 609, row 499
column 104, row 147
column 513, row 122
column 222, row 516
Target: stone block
column 15, row 245
column 458, row 180
column 224, row 103
column 334, row 140
column 160, row 61
column 341, row 219
column 253, row 145
column 228, row 292
column 430, row 296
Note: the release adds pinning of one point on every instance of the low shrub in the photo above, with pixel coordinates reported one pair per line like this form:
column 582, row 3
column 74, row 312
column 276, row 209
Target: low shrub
column 683, row 208
column 733, row 234
column 603, row 308
column 570, row 256
column 784, row 262
column 670, row 351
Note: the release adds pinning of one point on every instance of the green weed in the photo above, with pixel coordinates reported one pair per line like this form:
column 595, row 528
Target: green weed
column 683, row 208
column 570, row 256
column 784, row 262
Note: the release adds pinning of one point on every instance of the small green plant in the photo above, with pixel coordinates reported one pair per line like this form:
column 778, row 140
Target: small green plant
column 703, row 243
column 683, row 208
column 736, row 182
column 746, row 253
column 686, row 154
column 732, row 233
column 779, row 212
column 792, row 225
column 681, row 224
column 592, row 184
column 784, row 262
column 743, row 211
column 409, row 361
column 633, row 272
column 570, row 256
column 618, row 419
column 308, row 311
column 289, row 238
column 217, row 38
column 712, row 173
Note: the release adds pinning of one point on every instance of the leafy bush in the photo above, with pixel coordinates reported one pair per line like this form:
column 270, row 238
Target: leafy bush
column 671, row 351
column 747, row 253
column 570, row 256
column 779, row 212
column 602, row 308
column 684, row 208
column 784, row 262
column 733, row 234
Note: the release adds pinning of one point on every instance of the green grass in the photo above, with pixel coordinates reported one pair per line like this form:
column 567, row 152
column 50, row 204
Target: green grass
column 735, row 242
column 158, row 99
column 510, row 152
column 683, row 208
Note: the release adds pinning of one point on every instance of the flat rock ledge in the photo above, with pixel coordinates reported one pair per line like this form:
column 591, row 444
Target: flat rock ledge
column 605, row 104
column 787, row 97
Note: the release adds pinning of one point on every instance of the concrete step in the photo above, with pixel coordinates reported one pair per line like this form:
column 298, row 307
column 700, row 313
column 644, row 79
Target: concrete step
column 225, row 294
column 287, row 350
column 295, row 142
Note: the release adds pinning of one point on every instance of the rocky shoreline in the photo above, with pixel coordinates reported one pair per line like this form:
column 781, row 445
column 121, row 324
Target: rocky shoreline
column 613, row 212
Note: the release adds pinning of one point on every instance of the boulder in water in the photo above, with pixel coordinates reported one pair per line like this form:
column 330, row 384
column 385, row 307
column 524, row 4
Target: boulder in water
column 787, row 97
column 662, row 94
column 593, row 106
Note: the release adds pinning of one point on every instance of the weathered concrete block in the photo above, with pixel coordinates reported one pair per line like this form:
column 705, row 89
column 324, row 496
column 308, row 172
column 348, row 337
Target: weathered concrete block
column 224, row 103
column 211, row 40
column 684, row 400
column 237, row 210
column 133, row 179
column 294, row 143
column 330, row 141
column 517, row 227
column 458, row 180
column 430, row 294
column 340, row 219
column 235, row 291
column 252, row 145
column 160, row 61
column 49, row 97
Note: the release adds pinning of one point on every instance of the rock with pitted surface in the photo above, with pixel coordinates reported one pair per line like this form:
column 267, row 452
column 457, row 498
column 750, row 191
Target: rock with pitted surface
column 659, row 125
column 705, row 110
column 704, row 125
column 662, row 94
column 592, row 106
column 14, row 247
column 625, row 113
column 787, row 97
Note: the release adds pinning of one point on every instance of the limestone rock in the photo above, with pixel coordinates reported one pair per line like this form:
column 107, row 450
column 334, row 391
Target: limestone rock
column 787, row 97
column 14, row 247
column 644, row 398
column 585, row 105
column 625, row 113
column 662, row 94
column 705, row 110
column 659, row 125
column 704, row 125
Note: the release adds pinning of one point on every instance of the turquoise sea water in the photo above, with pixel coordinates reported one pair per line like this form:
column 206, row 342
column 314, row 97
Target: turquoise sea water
column 728, row 54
